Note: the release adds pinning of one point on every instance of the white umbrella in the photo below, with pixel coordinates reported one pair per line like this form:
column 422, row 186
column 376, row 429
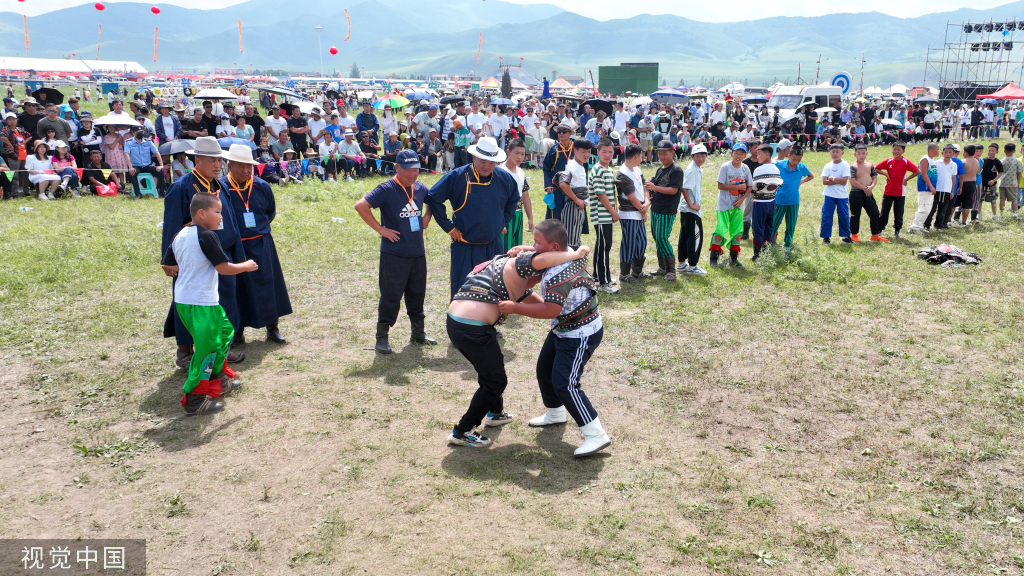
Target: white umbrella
column 641, row 101
column 825, row 109
column 892, row 122
column 215, row 94
column 306, row 107
column 175, row 146
column 115, row 120
column 732, row 87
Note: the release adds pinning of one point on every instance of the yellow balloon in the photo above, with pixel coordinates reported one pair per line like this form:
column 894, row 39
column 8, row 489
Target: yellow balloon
column 156, row 91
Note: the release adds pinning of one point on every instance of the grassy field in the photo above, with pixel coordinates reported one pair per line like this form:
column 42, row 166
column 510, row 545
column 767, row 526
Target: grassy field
column 853, row 411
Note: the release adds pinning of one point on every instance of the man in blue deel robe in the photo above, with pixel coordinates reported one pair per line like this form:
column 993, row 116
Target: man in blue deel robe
column 483, row 201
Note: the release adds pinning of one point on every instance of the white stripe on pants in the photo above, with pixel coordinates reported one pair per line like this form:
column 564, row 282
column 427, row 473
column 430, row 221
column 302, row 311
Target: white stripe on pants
column 924, row 206
column 602, row 253
column 572, row 219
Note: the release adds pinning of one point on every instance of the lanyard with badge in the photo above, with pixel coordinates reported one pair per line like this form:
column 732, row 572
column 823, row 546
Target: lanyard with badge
column 208, row 184
column 414, row 218
column 248, row 216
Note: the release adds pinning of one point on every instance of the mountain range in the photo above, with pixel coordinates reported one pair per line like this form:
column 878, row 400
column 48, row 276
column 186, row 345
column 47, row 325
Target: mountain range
column 401, row 36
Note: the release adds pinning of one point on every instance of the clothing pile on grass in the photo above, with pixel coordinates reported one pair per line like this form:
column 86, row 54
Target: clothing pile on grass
column 948, row 255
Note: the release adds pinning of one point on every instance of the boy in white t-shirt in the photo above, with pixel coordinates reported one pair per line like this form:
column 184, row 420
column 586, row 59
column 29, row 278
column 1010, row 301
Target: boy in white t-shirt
column 633, row 205
column 834, row 176
column 573, row 183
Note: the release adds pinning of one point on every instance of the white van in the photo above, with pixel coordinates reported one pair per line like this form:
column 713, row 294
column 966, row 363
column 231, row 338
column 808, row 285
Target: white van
column 790, row 99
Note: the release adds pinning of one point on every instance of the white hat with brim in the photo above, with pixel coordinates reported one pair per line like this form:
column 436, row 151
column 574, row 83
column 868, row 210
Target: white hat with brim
column 206, row 146
column 239, row 153
column 487, row 149
column 699, row 149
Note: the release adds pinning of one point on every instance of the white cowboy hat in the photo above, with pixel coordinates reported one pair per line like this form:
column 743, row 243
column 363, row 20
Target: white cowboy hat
column 206, row 146
column 239, row 153
column 487, row 149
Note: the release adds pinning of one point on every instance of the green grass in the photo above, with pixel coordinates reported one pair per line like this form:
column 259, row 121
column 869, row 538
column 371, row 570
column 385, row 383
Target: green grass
column 853, row 411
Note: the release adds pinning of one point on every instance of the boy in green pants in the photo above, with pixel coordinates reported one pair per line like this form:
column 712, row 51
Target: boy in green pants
column 734, row 185
column 787, row 199
column 196, row 257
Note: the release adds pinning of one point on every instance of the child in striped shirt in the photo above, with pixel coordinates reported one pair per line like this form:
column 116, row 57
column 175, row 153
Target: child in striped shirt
column 603, row 213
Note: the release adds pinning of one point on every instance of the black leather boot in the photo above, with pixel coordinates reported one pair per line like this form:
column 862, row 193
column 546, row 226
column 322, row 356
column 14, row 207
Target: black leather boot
column 746, row 231
column 419, row 335
column 638, row 268
column 274, row 335
column 383, row 346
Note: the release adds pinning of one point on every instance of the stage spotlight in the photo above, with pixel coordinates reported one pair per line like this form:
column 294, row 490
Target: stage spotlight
column 977, row 27
column 985, row 46
column 999, row 26
column 968, row 28
column 1007, row 45
column 987, row 28
column 1011, row 26
column 975, row 46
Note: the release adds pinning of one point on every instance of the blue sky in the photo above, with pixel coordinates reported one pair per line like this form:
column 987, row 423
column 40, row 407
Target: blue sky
column 728, row 11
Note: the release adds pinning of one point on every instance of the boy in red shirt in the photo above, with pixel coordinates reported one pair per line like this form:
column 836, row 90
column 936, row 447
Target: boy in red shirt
column 897, row 171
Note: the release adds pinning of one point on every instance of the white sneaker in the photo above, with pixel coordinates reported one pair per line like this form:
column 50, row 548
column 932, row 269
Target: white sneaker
column 349, row 179
column 499, row 419
column 43, row 196
column 331, row 179
column 75, row 194
column 683, row 268
column 594, row 439
column 696, row 270
column 50, row 196
column 608, row 288
column 552, row 417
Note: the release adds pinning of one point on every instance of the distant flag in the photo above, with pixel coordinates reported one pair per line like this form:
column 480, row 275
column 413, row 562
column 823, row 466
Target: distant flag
column 349, row 20
column 155, row 30
column 24, row 20
column 478, row 46
column 239, row 35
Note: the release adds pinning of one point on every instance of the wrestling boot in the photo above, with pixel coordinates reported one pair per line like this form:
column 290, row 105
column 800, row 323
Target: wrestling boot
column 661, row 267
column 419, row 335
column 274, row 335
column 670, row 266
column 228, row 384
column 183, row 358
column 383, row 346
column 624, row 275
column 200, row 404
column 239, row 338
column 714, row 259
column 757, row 253
column 594, row 439
column 552, row 417
column 746, row 231
column 734, row 260
column 638, row 269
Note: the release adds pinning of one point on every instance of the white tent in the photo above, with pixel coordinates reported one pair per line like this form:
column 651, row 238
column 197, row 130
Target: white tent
column 876, row 91
column 732, row 87
column 898, row 89
column 79, row 66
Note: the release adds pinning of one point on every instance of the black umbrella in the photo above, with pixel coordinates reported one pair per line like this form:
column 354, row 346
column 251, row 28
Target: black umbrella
column 755, row 100
column 48, row 96
column 597, row 105
column 333, row 94
column 453, row 99
column 925, row 100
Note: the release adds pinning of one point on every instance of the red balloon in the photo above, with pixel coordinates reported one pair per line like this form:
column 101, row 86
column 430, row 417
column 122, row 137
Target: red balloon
column 333, row 50
column 154, row 10
column 99, row 6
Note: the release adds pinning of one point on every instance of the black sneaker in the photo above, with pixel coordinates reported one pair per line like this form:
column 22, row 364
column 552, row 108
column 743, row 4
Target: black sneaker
column 472, row 439
column 200, row 404
column 499, row 419
column 848, row 240
column 735, row 263
column 826, row 240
